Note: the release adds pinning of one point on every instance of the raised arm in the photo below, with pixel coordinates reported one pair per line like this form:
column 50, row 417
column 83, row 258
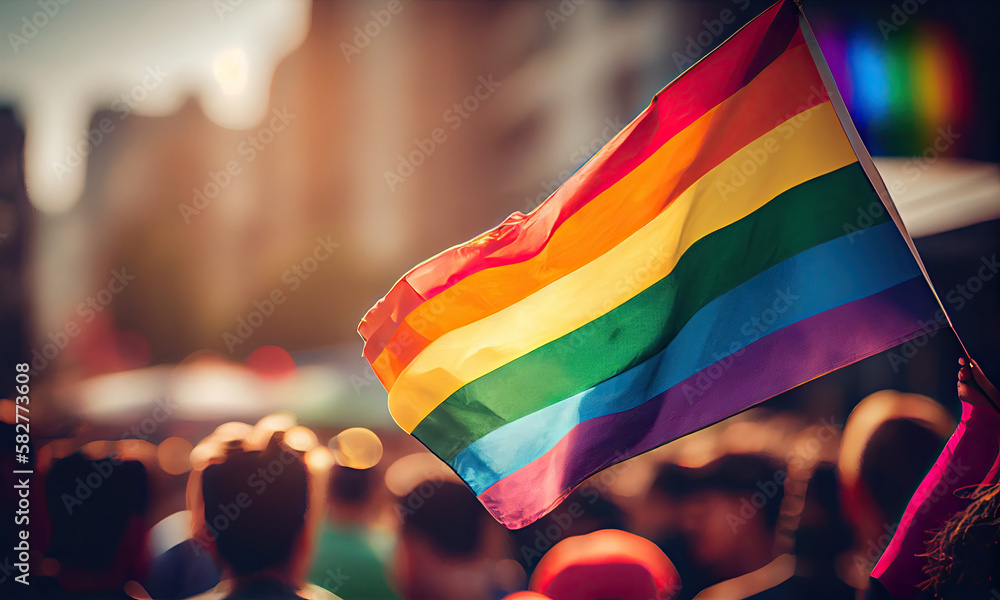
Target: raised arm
column 971, row 458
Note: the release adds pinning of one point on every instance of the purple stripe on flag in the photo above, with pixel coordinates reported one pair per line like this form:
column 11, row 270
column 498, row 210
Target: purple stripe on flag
column 769, row 366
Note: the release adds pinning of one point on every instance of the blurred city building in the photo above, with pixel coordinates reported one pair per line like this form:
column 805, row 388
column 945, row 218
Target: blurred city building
column 391, row 131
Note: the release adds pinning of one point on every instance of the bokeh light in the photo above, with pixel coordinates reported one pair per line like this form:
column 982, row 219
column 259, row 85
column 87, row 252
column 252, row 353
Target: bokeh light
column 8, row 410
column 261, row 433
column 319, row 459
column 231, row 70
column 174, row 454
column 271, row 362
column 301, row 438
column 357, row 447
column 413, row 469
column 98, row 449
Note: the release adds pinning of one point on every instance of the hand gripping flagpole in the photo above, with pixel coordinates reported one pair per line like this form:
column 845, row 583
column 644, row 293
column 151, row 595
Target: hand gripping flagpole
column 865, row 159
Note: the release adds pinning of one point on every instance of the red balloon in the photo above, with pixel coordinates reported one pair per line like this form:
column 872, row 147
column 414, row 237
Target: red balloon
column 606, row 565
column 271, row 362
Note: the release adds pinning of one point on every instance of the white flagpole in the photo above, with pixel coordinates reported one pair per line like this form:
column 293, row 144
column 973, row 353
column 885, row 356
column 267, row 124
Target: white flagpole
column 864, row 158
column 873, row 175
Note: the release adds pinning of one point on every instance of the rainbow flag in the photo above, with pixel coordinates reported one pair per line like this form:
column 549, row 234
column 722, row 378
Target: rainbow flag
column 724, row 247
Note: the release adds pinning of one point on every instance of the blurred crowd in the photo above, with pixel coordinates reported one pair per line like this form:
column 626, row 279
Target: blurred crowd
column 225, row 155
column 764, row 505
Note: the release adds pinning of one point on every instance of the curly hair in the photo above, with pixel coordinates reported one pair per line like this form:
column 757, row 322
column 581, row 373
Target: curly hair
column 963, row 557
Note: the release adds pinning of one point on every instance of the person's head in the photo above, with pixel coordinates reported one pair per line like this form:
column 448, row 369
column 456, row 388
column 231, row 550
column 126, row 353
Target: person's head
column 731, row 518
column 963, row 557
column 897, row 457
column 95, row 508
column 350, row 487
column 890, row 441
column 448, row 544
column 665, row 500
column 606, row 565
column 255, row 508
column 450, row 522
column 822, row 533
column 90, row 503
column 352, row 498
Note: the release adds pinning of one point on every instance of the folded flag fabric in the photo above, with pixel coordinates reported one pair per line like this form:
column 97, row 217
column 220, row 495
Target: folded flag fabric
column 724, row 247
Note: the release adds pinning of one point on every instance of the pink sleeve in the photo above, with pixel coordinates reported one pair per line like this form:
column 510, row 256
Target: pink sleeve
column 971, row 457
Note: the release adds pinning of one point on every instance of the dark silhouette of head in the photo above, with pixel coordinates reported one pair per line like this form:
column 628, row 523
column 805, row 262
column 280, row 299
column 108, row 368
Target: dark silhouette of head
column 448, row 544
column 450, row 520
column 350, row 487
column 730, row 520
column 672, row 481
column 888, row 444
column 823, row 532
column 91, row 505
column 255, row 507
column 743, row 476
column 895, row 460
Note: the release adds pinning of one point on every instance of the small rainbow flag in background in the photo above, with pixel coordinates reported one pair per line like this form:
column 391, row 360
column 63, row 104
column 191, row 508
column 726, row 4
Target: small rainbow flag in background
column 726, row 246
